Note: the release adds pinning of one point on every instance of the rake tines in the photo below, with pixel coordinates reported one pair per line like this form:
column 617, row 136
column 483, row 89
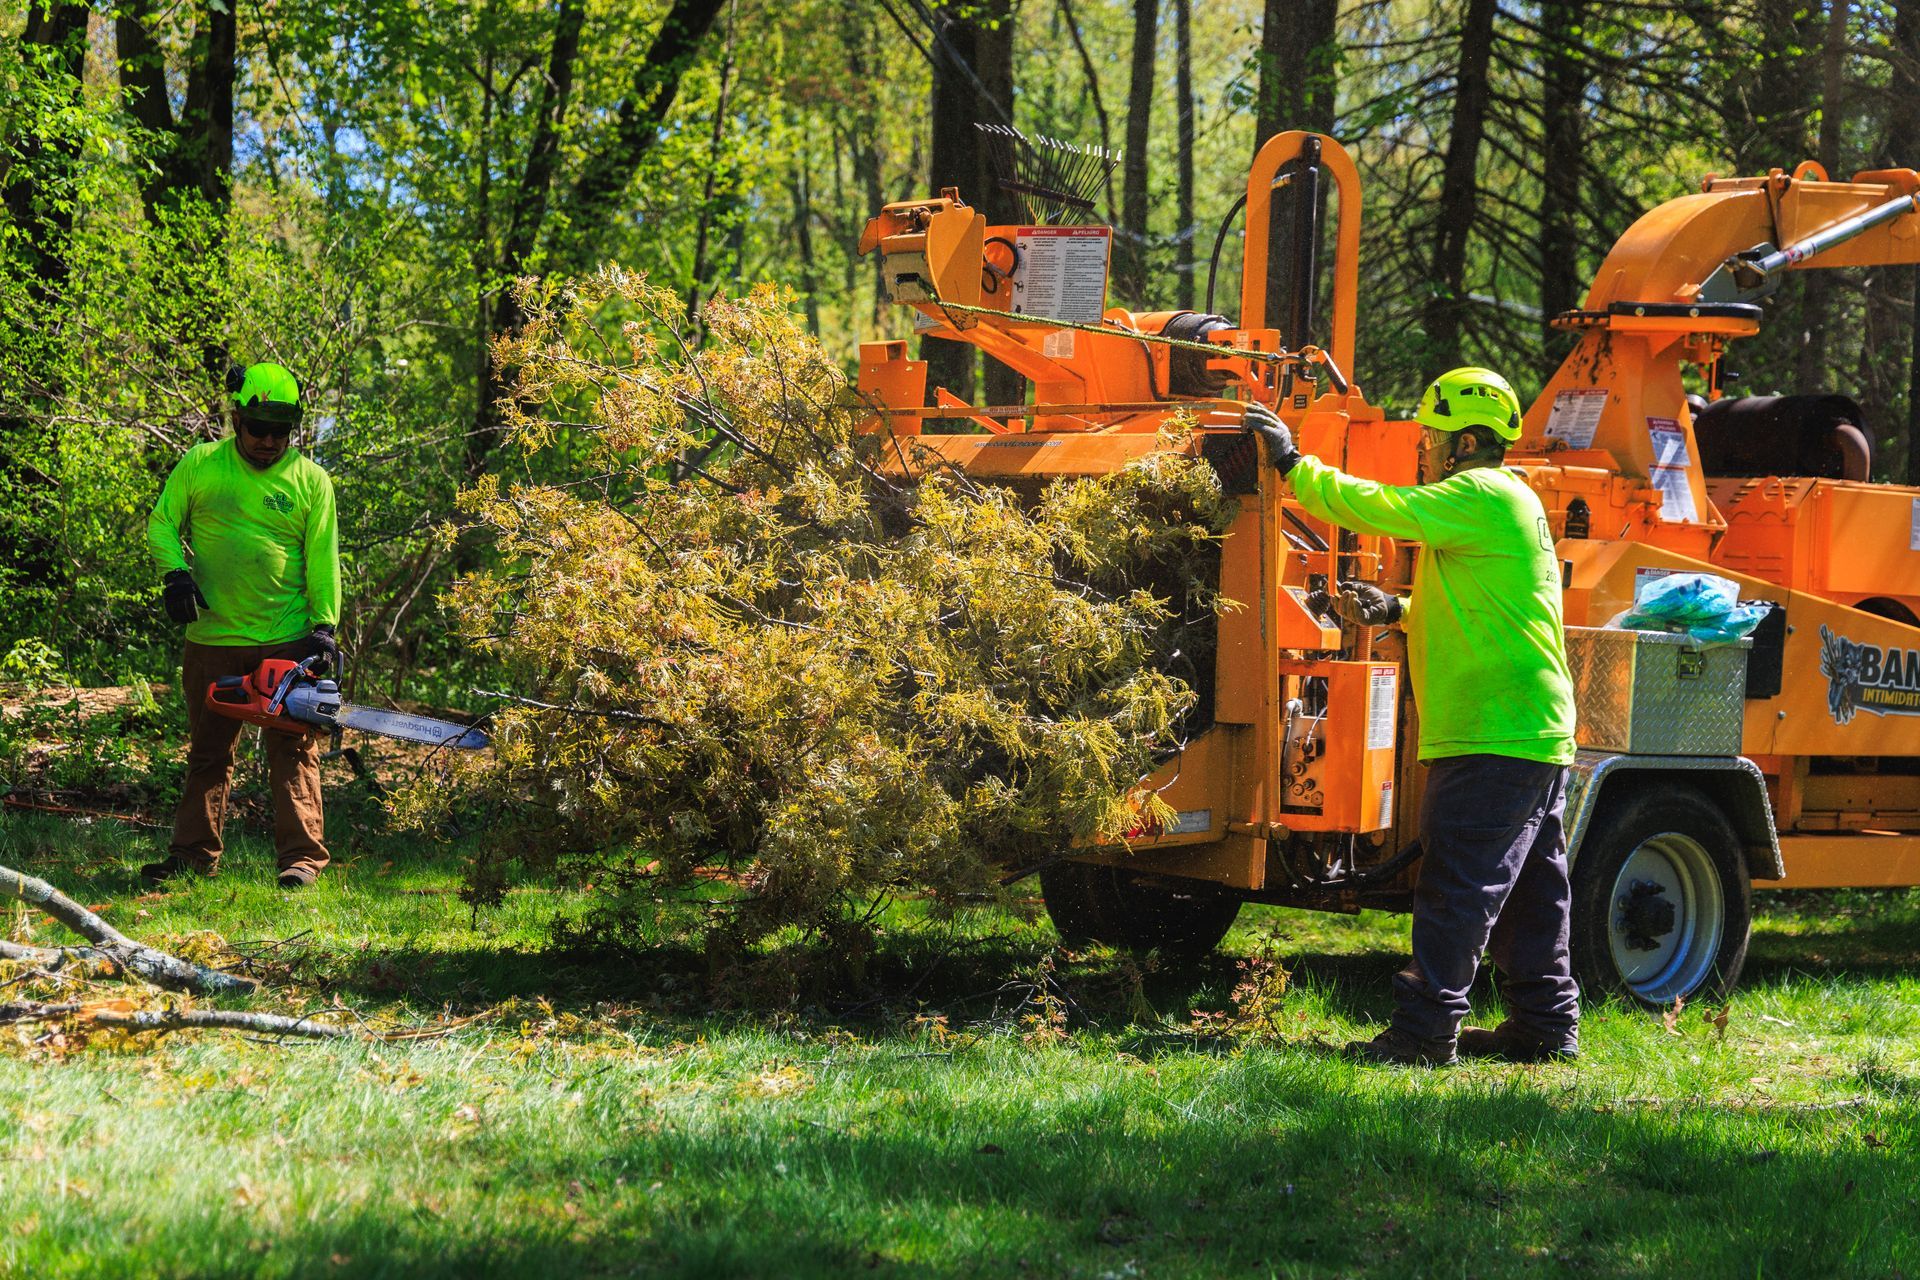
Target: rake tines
column 1054, row 180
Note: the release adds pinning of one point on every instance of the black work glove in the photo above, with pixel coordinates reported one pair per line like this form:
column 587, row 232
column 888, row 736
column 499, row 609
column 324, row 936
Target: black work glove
column 1366, row 604
column 1265, row 423
column 1359, row 602
column 319, row 643
column 182, row 597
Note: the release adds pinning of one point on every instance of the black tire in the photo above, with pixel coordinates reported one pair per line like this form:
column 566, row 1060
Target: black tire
column 1135, row 911
column 1662, row 899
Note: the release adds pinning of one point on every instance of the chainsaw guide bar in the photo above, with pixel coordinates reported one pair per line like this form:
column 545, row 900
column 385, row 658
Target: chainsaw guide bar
column 286, row 696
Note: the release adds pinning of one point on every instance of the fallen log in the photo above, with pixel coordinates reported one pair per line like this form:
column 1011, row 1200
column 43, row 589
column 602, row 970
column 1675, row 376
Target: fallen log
column 157, row 967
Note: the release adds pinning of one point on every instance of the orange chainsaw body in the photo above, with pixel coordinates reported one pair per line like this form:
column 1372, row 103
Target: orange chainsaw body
column 259, row 696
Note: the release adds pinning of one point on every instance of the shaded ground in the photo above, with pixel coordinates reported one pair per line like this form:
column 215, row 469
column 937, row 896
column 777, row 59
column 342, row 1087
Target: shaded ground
column 973, row 1103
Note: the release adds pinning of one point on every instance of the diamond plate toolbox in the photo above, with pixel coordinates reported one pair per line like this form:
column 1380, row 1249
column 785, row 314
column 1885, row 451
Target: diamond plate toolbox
column 1651, row 693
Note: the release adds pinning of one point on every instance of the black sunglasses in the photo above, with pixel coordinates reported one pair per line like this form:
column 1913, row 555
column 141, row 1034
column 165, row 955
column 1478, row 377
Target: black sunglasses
column 264, row 430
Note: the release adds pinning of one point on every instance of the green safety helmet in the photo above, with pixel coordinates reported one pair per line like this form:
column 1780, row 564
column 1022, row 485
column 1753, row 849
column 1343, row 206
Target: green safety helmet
column 266, row 393
column 1471, row 397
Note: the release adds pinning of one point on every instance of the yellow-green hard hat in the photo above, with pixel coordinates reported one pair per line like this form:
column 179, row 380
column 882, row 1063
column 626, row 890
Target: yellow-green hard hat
column 268, row 392
column 1471, row 397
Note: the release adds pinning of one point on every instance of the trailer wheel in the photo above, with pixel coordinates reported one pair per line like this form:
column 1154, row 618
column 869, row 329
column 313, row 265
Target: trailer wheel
column 1662, row 902
column 1135, row 911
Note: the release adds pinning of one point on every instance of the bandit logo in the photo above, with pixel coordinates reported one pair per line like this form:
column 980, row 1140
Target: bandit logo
column 1865, row 677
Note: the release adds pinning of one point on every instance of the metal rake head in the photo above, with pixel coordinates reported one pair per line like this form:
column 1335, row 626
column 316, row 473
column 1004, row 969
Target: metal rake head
column 1054, row 180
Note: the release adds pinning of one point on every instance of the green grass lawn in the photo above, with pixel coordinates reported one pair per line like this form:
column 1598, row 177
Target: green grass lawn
column 607, row 1117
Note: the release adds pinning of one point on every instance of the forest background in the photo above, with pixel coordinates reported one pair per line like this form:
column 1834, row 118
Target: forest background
column 349, row 189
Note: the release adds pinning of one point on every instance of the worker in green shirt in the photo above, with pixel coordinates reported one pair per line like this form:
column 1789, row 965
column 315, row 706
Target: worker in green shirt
column 1486, row 651
column 245, row 533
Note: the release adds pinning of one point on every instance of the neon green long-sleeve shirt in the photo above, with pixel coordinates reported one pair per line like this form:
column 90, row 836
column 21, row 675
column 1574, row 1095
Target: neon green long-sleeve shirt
column 266, row 545
column 1485, row 642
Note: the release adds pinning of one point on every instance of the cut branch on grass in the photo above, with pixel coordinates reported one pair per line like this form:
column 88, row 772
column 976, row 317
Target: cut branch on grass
column 157, row 967
column 163, row 1020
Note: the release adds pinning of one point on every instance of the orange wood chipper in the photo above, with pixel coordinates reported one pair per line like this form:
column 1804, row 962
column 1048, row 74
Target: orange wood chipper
column 1788, row 761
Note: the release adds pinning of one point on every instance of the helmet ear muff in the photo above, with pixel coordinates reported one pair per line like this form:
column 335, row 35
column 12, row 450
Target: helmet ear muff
column 235, row 377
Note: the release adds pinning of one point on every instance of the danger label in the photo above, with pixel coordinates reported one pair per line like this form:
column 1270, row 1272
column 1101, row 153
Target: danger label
column 1062, row 273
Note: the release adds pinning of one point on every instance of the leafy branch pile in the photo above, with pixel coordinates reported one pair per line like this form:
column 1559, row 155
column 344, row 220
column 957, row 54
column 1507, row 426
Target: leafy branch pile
column 740, row 639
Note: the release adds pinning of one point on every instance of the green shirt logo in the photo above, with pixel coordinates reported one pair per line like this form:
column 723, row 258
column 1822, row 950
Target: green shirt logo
column 279, row 502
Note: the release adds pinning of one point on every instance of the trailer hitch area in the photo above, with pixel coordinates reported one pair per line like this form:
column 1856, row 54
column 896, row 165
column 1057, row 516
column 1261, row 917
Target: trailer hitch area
column 1646, row 915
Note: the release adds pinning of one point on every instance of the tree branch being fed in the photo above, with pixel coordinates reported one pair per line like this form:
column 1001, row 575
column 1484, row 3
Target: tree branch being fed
column 157, row 967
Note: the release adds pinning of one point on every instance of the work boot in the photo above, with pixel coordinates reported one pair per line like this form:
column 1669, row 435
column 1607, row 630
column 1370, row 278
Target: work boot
column 1512, row 1042
column 1394, row 1047
column 172, row 867
column 298, row 877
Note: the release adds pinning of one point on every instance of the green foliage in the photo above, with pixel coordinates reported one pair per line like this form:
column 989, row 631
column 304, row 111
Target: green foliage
column 32, row 662
column 742, row 638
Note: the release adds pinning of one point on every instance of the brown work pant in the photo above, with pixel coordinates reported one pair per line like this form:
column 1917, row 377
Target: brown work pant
column 293, row 768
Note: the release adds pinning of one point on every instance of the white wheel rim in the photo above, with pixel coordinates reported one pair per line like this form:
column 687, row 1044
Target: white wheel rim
column 1668, row 877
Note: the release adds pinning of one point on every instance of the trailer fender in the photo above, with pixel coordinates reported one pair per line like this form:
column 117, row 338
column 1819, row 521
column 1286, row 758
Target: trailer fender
column 1734, row 783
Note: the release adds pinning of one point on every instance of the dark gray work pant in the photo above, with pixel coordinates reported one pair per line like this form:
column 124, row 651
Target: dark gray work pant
column 1493, row 879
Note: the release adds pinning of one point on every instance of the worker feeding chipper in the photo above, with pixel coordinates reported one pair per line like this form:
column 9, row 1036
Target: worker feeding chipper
column 1487, row 656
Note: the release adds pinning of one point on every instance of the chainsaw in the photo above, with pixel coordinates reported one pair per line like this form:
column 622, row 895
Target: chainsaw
column 285, row 696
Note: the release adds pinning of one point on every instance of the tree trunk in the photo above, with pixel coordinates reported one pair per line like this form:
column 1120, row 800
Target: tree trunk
column 196, row 151
column 1093, row 93
column 1187, row 236
column 1001, row 384
column 1299, row 67
column 1913, row 378
column 656, row 81
column 1810, row 369
column 1903, row 127
column 1459, row 189
column 1130, row 249
column 530, row 201
column 1767, row 115
column 973, row 43
column 1563, row 92
column 485, row 290
column 697, row 279
column 47, row 222
column 803, row 238
column 194, row 154
column 864, row 158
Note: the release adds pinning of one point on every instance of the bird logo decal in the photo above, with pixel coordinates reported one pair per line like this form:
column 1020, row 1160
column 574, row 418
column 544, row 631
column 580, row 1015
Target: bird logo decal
column 1840, row 664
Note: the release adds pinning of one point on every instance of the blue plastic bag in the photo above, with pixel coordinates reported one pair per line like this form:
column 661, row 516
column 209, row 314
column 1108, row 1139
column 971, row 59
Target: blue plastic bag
column 1704, row 605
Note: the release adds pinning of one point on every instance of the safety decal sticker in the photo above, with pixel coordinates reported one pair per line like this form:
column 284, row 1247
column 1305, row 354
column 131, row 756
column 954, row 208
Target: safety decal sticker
column 1668, row 471
column 1575, row 416
column 1865, row 677
column 1060, row 273
column 1383, row 704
